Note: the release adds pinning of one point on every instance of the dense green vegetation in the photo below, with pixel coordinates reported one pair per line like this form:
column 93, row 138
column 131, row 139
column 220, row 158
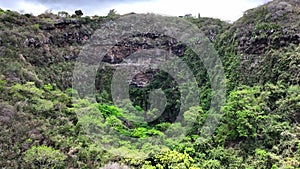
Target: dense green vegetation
column 47, row 124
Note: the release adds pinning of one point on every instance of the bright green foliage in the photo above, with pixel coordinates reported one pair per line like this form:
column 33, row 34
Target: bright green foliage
column 107, row 110
column 243, row 115
column 48, row 87
column 39, row 101
column 36, row 27
column 170, row 160
column 26, row 90
column 2, row 85
column 44, row 157
column 142, row 132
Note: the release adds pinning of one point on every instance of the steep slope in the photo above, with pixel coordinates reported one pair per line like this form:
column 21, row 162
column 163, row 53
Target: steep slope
column 44, row 48
column 263, row 45
column 37, row 55
column 41, row 49
column 260, row 123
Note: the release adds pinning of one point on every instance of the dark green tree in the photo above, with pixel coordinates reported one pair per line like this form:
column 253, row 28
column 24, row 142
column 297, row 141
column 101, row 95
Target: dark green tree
column 78, row 13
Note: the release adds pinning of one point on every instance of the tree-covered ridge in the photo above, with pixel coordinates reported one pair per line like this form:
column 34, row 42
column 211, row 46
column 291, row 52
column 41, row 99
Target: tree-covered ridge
column 39, row 111
column 253, row 45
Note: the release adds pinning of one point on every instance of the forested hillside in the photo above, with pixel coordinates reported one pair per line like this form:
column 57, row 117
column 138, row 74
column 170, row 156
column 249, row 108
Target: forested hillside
column 45, row 123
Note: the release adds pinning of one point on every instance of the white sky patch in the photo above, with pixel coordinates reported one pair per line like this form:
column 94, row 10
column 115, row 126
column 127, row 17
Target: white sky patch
column 27, row 7
column 229, row 10
column 33, row 8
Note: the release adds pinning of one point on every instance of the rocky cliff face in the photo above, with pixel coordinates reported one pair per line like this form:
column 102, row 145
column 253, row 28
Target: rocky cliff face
column 44, row 48
column 271, row 26
column 257, row 40
column 41, row 48
column 118, row 55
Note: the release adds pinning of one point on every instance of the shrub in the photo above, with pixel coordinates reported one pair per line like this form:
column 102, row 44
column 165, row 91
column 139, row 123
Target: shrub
column 171, row 159
column 36, row 27
column 44, row 157
column 2, row 85
column 243, row 115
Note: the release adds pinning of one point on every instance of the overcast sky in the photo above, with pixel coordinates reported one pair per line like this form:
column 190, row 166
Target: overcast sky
column 228, row 10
